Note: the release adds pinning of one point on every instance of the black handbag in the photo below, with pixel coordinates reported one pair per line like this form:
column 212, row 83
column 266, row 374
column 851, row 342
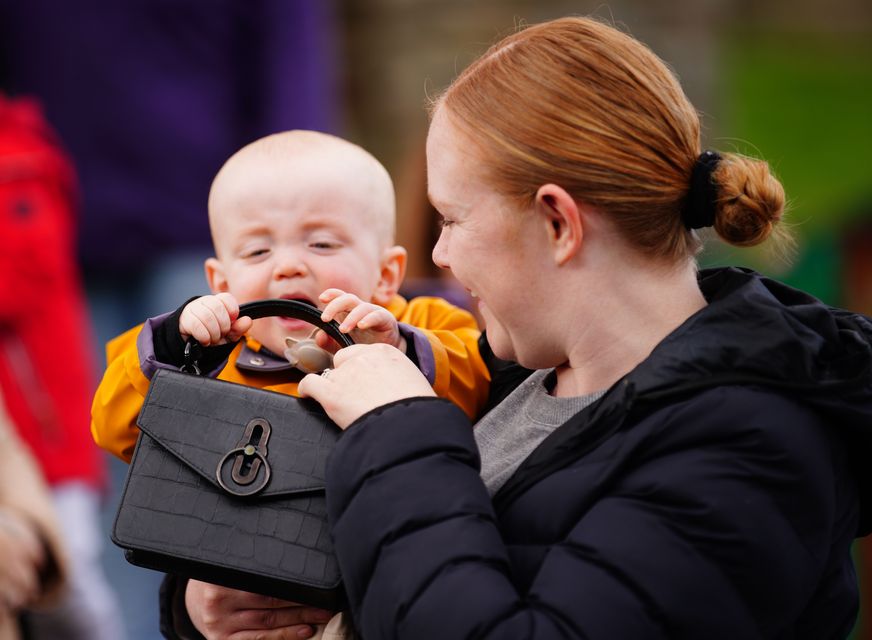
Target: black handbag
column 226, row 484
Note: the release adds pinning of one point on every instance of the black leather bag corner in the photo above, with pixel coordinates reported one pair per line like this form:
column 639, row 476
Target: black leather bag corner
column 226, row 485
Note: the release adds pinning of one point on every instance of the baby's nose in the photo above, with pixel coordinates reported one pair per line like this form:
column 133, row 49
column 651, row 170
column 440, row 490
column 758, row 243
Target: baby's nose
column 289, row 263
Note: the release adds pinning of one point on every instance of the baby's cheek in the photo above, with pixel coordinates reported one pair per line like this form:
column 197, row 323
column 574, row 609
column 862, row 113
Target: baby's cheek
column 352, row 276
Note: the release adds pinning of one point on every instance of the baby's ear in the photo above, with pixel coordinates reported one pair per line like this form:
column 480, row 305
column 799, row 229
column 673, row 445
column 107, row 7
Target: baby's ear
column 393, row 270
column 215, row 275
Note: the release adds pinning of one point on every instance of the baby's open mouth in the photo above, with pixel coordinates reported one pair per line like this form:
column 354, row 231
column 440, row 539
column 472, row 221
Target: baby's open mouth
column 302, row 299
column 294, row 326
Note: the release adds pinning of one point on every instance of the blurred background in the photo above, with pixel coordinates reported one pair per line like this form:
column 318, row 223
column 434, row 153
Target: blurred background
column 150, row 96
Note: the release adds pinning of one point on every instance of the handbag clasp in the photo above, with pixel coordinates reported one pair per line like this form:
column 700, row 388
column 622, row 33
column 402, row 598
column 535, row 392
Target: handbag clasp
column 249, row 456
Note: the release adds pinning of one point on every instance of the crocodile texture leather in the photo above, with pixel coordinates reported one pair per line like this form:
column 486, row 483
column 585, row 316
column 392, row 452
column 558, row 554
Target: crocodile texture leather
column 175, row 516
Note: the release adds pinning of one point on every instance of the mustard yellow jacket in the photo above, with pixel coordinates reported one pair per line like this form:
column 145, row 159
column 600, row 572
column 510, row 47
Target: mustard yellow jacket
column 445, row 339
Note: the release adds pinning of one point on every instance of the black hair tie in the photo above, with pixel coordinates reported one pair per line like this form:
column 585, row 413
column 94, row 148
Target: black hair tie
column 702, row 197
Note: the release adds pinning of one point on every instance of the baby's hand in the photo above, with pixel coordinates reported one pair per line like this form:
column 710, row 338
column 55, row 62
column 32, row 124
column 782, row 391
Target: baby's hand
column 213, row 320
column 367, row 323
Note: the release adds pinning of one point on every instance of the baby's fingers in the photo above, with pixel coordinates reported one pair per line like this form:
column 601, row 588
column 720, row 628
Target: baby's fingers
column 330, row 294
column 379, row 325
column 210, row 327
column 208, row 320
column 339, row 306
column 356, row 315
column 377, row 319
column 239, row 328
column 228, row 301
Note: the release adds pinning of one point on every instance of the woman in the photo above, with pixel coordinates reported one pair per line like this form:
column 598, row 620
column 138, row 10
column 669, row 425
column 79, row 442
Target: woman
column 680, row 463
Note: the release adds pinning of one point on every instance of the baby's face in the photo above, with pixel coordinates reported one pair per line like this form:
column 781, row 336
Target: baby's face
column 278, row 242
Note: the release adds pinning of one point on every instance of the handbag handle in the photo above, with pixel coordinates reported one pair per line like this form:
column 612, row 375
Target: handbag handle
column 297, row 310
column 274, row 307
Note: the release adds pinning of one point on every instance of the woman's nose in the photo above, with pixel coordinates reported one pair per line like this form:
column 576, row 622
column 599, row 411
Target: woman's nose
column 440, row 252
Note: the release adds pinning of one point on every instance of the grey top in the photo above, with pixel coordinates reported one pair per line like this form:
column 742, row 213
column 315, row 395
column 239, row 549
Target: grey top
column 510, row 432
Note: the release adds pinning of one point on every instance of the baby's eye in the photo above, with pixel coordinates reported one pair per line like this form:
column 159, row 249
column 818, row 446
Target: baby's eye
column 445, row 222
column 255, row 253
column 324, row 244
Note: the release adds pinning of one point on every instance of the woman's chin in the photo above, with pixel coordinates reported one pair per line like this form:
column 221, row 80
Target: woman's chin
column 500, row 345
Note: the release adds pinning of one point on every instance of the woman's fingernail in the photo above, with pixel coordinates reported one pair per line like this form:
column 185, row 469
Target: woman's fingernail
column 306, row 632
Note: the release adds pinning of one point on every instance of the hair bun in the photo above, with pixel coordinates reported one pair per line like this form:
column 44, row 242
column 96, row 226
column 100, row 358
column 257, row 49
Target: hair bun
column 750, row 200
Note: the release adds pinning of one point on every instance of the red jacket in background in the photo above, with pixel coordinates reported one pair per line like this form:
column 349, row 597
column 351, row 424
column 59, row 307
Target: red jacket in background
column 46, row 353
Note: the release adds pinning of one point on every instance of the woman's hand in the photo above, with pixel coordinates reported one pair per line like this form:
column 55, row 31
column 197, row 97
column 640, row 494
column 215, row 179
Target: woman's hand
column 365, row 376
column 220, row 613
column 22, row 555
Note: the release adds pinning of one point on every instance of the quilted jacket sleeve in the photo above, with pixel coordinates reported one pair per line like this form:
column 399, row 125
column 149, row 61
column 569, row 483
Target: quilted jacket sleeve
column 722, row 530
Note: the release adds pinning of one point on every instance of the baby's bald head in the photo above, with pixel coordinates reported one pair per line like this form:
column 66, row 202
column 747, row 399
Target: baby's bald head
column 295, row 166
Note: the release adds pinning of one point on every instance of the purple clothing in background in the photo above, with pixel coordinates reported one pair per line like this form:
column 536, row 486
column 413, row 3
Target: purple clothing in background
column 152, row 96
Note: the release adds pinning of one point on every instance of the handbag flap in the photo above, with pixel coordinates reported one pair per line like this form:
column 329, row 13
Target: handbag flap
column 202, row 421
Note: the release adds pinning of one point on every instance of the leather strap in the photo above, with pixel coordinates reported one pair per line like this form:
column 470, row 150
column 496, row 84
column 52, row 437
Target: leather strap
column 297, row 310
column 274, row 307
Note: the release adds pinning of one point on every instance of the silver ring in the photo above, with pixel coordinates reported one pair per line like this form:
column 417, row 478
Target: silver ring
column 326, row 372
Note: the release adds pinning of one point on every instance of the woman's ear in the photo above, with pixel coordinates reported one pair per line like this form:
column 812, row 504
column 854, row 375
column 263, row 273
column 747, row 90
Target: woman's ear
column 393, row 270
column 560, row 213
column 215, row 275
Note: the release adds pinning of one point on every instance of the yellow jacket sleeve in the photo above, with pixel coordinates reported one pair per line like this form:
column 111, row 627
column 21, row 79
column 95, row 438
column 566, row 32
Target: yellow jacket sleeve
column 450, row 357
column 119, row 397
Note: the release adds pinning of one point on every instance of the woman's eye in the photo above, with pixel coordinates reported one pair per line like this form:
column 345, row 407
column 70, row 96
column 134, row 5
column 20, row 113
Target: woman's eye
column 445, row 222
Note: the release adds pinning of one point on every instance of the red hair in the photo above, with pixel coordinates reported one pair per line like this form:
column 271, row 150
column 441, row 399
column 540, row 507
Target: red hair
column 580, row 104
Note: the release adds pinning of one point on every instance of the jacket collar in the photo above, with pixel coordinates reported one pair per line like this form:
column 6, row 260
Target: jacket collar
column 753, row 331
column 254, row 358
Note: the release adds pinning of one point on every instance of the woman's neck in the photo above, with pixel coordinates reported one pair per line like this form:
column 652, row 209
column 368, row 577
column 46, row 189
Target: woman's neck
column 619, row 324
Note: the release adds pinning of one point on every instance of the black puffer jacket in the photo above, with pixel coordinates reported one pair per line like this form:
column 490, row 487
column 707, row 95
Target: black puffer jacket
column 711, row 493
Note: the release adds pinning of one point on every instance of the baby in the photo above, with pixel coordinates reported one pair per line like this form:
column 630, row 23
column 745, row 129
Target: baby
column 304, row 216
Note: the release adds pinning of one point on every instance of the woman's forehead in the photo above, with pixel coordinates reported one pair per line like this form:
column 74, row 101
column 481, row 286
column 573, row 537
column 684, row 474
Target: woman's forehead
column 453, row 166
